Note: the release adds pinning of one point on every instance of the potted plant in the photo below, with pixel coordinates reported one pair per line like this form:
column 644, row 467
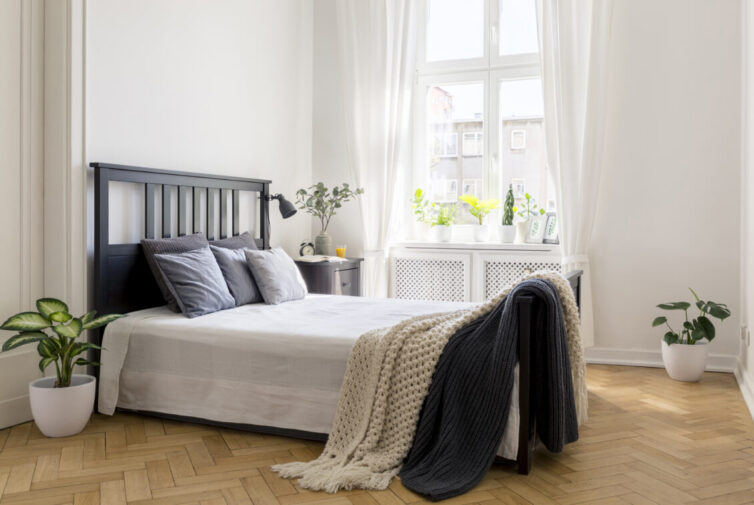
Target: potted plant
column 507, row 230
column 62, row 404
column 320, row 202
column 528, row 209
column 685, row 354
column 479, row 209
column 439, row 217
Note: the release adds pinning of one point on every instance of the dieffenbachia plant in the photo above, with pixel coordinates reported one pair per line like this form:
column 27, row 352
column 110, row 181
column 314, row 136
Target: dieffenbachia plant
column 60, row 348
column 697, row 328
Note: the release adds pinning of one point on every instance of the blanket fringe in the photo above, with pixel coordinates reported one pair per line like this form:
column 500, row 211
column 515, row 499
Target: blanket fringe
column 333, row 474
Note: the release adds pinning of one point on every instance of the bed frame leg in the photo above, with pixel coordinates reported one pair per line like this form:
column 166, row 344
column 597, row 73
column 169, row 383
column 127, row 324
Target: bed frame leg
column 526, row 424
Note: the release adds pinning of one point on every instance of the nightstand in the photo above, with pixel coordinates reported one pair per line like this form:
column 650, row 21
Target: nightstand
column 332, row 278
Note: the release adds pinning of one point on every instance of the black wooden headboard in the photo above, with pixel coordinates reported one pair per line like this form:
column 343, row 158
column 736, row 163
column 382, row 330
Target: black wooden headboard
column 122, row 279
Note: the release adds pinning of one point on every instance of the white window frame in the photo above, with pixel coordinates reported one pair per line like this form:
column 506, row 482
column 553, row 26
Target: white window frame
column 491, row 69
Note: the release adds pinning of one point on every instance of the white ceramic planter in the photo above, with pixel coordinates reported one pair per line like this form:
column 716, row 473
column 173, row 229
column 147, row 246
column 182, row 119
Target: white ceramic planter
column 521, row 228
column 481, row 233
column 685, row 362
column 62, row 412
column 507, row 233
column 441, row 233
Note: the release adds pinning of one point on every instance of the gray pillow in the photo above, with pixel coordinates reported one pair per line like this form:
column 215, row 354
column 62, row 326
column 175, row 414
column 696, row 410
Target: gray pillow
column 237, row 275
column 276, row 275
column 169, row 246
column 242, row 241
column 195, row 282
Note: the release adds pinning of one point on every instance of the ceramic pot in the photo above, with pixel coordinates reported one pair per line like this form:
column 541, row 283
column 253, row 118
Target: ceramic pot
column 441, row 233
column 62, row 412
column 323, row 244
column 481, row 233
column 507, row 233
column 685, row 362
column 521, row 228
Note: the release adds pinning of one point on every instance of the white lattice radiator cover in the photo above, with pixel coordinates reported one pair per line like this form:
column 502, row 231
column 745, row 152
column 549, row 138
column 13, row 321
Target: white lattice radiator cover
column 498, row 274
column 462, row 275
column 438, row 279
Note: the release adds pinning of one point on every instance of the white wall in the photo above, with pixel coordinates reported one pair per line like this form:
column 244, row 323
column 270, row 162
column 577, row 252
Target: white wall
column 745, row 369
column 668, row 215
column 21, row 144
column 329, row 154
column 219, row 87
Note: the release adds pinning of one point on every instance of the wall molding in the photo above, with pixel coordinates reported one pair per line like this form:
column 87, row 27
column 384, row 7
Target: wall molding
column 642, row 357
column 746, row 385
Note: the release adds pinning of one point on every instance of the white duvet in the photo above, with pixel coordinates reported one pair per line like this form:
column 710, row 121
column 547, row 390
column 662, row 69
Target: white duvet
column 267, row 365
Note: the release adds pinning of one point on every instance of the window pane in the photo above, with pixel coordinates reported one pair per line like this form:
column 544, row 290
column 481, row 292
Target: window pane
column 455, row 29
column 522, row 148
column 455, row 125
column 518, row 27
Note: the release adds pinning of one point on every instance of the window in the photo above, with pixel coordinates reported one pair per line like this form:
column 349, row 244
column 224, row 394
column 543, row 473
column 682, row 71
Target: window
column 472, row 144
column 479, row 82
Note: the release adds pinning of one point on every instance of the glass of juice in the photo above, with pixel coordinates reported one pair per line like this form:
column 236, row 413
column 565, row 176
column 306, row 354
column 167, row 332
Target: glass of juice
column 340, row 251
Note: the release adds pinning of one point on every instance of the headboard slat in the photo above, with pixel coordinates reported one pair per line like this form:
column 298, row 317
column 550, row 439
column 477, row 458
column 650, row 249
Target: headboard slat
column 236, row 213
column 150, row 194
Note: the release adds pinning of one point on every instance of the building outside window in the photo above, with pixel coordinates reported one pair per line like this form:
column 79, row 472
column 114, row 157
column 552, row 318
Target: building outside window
column 478, row 81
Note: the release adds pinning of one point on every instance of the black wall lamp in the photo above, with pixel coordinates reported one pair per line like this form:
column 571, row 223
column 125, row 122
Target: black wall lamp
column 287, row 209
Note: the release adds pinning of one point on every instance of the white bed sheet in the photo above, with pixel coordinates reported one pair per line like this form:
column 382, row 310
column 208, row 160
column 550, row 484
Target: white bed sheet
column 267, row 365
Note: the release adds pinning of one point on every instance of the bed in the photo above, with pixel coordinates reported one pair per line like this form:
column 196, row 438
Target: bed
column 273, row 369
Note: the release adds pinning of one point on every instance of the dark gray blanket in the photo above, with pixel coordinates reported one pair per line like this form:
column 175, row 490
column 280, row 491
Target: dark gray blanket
column 464, row 415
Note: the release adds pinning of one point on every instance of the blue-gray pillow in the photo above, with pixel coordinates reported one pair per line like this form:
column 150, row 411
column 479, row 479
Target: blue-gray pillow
column 169, row 246
column 196, row 282
column 237, row 275
column 276, row 275
column 242, row 241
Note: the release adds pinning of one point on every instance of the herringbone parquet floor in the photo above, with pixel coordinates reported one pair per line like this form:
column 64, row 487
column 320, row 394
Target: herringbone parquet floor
column 649, row 440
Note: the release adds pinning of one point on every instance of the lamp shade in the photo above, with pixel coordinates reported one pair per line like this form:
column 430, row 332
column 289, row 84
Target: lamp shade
column 287, row 209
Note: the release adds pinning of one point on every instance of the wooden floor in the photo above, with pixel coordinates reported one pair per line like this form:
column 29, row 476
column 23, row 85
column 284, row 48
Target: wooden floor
column 648, row 440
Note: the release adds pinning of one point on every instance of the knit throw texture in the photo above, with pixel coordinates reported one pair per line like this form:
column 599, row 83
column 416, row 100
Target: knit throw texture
column 387, row 378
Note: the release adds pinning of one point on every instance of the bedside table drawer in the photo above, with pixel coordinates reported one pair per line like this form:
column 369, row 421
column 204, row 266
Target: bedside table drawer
column 346, row 282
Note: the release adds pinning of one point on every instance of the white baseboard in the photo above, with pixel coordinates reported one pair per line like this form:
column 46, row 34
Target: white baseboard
column 746, row 386
column 641, row 357
column 15, row 411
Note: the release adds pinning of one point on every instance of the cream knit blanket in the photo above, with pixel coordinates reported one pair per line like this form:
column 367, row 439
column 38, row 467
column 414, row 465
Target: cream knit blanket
column 387, row 378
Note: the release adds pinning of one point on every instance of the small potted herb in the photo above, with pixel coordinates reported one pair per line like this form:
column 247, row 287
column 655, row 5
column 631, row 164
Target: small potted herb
column 61, row 404
column 480, row 209
column 507, row 230
column 439, row 217
column 684, row 353
column 528, row 210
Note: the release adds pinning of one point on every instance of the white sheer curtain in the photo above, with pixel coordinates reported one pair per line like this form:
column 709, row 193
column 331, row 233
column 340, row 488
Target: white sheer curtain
column 377, row 56
column 574, row 39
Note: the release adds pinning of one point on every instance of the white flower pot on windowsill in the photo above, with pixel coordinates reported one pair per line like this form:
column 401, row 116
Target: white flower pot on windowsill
column 507, row 233
column 62, row 412
column 441, row 233
column 481, row 233
column 521, row 228
column 685, row 362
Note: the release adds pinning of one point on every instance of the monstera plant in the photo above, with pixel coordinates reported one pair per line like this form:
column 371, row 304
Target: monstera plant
column 683, row 352
column 55, row 331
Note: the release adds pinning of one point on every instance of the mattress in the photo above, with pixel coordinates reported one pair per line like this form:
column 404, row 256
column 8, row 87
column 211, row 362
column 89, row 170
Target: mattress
column 279, row 366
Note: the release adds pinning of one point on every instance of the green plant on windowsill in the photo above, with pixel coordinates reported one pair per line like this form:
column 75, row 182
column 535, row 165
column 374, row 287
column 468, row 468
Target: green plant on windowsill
column 480, row 208
column 697, row 328
column 61, row 348
column 508, row 207
column 432, row 213
column 529, row 208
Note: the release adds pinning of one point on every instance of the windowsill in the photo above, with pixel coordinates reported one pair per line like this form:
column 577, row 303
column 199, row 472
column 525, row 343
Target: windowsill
column 479, row 246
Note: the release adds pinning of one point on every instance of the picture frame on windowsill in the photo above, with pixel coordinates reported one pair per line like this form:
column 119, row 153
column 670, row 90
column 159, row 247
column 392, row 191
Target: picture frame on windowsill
column 536, row 231
column 551, row 229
